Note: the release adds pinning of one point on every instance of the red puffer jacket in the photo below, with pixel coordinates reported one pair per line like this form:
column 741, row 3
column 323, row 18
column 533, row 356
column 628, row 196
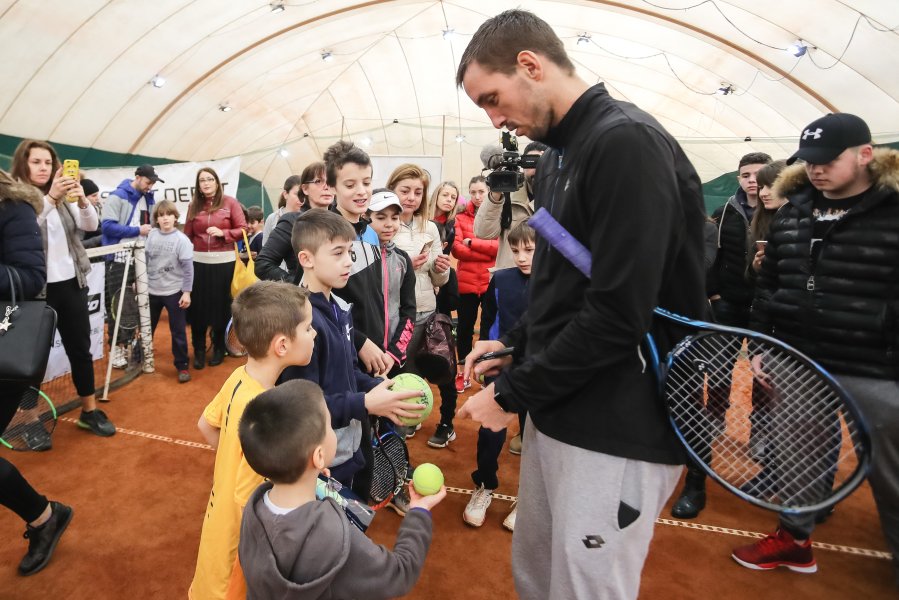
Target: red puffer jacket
column 229, row 218
column 475, row 260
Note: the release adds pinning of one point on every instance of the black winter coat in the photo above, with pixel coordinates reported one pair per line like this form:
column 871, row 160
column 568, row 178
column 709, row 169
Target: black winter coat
column 843, row 308
column 729, row 272
column 21, row 245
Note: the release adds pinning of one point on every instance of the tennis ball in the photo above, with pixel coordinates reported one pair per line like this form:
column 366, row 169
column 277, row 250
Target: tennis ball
column 408, row 381
column 427, row 479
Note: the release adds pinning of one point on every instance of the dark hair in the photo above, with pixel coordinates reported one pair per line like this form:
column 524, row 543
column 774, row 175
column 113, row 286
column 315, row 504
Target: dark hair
column 289, row 183
column 164, row 207
column 281, row 427
column 312, row 171
column 497, row 42
column 267, row 309
column 341, row 153
column 535, row 147
column 754, row 158
column 315, row 228
column 521, row 233
column 197, row 202
column 762, row 217
column 19, row 168
column 477, row 179
column 254, row 213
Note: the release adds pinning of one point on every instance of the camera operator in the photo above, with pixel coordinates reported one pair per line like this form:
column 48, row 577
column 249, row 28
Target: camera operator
column 487, row 221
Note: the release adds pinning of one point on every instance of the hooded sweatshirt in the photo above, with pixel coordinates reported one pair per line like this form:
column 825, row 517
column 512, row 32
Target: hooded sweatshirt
column 118, row 211
column 314, row 552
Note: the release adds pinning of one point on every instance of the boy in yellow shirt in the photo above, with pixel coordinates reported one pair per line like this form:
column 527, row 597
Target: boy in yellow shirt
column 273, row 321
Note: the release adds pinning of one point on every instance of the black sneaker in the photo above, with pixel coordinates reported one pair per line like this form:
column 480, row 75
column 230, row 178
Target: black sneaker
column 442, row 437
column 218, row 357
column 36, row 437
column 42, row 540
column 199, row 359
column 763, row 485
column 97, row 422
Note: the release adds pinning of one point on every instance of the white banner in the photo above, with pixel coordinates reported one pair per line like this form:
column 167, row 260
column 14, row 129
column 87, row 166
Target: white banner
column 179, row 179
column 58, row 365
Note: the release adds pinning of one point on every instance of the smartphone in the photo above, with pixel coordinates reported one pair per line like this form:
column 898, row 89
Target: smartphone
column 760, row 244
column 495, row 354
column 427, row 247
column 70, row 169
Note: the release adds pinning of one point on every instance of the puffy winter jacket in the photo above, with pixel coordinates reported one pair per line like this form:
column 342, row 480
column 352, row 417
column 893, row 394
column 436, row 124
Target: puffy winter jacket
column 475, row 261
column 21, row 246
column 729, row 277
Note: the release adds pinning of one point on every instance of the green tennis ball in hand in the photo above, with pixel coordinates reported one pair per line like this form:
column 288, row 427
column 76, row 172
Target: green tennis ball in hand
column 427, row 479
column 408, row 381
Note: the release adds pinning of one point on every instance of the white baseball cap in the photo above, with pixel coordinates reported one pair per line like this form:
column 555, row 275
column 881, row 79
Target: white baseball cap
column 382, row 200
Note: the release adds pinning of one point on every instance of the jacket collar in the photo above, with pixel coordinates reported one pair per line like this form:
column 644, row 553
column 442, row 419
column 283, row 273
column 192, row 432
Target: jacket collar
column 572, row 122
column 10, row 189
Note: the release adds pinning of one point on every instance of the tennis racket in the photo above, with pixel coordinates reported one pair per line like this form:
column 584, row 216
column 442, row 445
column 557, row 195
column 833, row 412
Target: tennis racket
column 232, row 344
column 761, row 418
column 33, row 423
column 389, row 464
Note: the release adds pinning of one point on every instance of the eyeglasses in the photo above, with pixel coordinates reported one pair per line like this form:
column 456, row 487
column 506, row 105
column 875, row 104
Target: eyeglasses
column 207, row 180
column 316, row 182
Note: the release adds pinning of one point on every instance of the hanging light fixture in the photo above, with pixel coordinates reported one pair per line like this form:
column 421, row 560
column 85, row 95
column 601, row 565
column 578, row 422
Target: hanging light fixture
column 327, row 56
column 726, row 89
column 583, row 39
column 797, row 48
column 460, row 138
column 449, row 33
column 157, row 81
column 283, row 152
column 225, row 107
column 277, row 6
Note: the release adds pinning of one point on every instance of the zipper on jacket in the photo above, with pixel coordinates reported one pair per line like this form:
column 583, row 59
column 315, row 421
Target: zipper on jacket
column 386, row 283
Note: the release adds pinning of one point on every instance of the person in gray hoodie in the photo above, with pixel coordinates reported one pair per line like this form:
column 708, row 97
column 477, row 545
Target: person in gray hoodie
column 292, row 545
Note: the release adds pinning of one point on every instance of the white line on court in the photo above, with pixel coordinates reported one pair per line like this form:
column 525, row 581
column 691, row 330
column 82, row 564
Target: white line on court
column 670, row 522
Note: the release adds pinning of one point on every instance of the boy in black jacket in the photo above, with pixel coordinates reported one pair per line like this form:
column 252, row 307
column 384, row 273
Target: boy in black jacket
column 294, row 545
column 323, row 242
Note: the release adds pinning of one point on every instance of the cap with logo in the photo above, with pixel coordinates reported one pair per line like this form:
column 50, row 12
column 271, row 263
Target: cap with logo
column 382, row 200
column 149, row 172
column 826, row 138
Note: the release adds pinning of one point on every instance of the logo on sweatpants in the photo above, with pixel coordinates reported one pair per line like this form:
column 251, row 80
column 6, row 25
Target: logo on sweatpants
column 593, row 541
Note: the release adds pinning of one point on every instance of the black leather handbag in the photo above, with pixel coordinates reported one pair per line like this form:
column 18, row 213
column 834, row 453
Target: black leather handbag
column 26, row 334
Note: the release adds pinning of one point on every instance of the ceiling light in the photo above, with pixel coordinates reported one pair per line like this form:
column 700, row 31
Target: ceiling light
column 726, row 89
column 448, row 34
column 225, row 107
column 797, row 48
column 583, row 39
column 460, row 138
column 277, row 7
column 283, row 152
column 327, row 56
column 158, row 81
column 366, row 141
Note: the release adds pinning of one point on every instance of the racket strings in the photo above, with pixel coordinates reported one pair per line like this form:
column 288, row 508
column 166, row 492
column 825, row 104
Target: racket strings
column 32, row 423
column 764, row 421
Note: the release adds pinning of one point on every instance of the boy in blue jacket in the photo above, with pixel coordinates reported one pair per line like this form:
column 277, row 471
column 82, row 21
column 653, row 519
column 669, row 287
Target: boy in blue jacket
column 323, row 242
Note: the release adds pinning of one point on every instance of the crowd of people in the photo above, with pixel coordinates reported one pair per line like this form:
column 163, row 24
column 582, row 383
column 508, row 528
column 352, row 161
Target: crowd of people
column 351, row 276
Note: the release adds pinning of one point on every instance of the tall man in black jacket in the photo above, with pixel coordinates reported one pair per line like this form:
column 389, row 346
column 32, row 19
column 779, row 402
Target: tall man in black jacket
column 828, row 286
column 600, row 459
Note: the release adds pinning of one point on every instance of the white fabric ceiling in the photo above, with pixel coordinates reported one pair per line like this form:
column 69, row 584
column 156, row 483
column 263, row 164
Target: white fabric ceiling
column 78, row 73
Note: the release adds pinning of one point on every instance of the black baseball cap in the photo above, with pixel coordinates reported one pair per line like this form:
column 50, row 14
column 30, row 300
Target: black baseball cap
column 149, row 172
column 826, row 138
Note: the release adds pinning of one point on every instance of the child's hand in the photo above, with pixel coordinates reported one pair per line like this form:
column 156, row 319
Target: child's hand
column 426, row 502
column 419, row 260
column 388, row 365
column 384, row 402
column 184, row 302
column 441, row 263
column 372, row 357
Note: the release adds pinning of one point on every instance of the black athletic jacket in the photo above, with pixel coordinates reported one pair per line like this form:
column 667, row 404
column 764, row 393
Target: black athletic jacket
column 729, row 277
column 841, row 305
column 619, row 183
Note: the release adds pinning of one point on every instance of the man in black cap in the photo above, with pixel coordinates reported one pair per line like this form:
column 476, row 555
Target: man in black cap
column 828, row 286
column 126, row 215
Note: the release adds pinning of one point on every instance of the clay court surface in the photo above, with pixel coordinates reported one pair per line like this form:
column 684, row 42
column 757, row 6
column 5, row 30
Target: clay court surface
column 139, row 499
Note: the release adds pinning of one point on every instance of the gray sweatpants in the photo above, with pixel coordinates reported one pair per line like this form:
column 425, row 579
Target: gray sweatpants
column 568, row 542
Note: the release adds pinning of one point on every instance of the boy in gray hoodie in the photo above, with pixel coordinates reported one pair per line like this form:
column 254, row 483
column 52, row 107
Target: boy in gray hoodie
column 291, row 543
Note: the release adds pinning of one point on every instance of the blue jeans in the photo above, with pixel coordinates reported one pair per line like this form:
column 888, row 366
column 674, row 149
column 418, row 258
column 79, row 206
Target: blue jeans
column 177, row 325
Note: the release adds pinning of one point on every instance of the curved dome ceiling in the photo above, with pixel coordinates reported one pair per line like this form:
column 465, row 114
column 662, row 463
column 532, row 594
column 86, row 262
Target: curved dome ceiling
column 79, row 73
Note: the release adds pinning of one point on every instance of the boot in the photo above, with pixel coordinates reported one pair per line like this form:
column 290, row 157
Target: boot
column 42, row 540
column 692, row 498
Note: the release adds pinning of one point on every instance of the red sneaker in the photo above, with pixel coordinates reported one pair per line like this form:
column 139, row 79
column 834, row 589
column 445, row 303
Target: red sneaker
column 777, row 550
column 461, row 383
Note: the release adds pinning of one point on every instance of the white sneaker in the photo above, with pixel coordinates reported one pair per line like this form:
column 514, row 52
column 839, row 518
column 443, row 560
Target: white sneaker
column 476, row 511
column 119, row 360
column 509, row 522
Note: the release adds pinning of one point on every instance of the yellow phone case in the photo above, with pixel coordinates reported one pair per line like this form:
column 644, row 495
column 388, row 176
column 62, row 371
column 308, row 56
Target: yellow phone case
column 70, row 169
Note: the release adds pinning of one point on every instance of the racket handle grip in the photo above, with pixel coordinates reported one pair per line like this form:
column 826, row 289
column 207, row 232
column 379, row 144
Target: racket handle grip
column 559, row 238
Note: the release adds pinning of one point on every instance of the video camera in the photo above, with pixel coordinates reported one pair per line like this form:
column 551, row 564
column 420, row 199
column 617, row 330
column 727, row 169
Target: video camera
column 507, row 175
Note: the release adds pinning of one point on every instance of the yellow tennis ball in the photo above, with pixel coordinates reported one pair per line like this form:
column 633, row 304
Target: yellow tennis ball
column 427, row 479
column 408, row 381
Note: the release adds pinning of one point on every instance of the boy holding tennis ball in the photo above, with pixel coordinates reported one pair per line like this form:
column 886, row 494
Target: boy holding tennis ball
column 286, row 436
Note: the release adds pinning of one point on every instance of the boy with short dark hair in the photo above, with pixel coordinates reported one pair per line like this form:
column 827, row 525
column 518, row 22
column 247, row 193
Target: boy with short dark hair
column 324, row 242
column 255, row 219
column 273, row 321
column 286, row 436
column 507, row 300
column 170, row 279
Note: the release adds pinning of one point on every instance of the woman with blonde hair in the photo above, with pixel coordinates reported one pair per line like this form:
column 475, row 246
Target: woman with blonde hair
column 214, row 223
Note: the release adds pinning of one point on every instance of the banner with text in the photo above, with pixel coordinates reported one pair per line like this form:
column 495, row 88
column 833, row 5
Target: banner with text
column 179, row 179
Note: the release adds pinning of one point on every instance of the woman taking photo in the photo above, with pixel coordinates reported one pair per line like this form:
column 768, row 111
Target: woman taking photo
column 214, row 223
column 60, row 219
column 443, row 208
